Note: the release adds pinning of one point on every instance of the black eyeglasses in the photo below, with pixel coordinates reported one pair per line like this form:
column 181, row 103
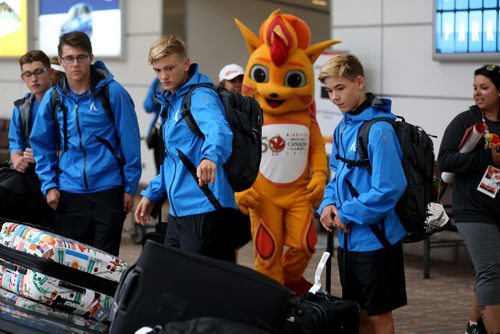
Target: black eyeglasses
column 36, row 73
column 79, row 59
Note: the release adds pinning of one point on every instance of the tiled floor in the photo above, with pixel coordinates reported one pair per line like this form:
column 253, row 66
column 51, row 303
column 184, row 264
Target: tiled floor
column 436, row 305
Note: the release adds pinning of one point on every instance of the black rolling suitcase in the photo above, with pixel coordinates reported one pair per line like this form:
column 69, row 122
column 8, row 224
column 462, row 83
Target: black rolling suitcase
column 167, row 285
column 319, row 311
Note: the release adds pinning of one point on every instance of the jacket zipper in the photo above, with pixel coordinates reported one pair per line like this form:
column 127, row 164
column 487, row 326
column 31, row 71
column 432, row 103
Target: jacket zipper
column 171, row 183
column 81, row 147
column 167, row 153
column 341, row 146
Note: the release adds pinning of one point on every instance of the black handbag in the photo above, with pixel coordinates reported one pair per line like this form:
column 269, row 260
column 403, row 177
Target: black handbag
column 21, row 198
column 19, row 183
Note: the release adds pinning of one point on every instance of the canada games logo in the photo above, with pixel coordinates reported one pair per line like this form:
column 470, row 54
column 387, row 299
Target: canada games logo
column 277, row 144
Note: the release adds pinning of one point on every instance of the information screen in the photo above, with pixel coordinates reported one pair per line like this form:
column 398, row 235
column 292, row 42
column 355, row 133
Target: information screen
column 466, row 29
column 101, row 20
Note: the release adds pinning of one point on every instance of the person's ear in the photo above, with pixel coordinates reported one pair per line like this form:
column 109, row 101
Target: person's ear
column 360, row 82
column 187, row 64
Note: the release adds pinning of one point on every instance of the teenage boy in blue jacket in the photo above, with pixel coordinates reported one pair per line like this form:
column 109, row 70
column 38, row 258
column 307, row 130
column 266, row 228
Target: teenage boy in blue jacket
column 36, row 73
column 193, row 166
column 88, row 160
column 374, row 274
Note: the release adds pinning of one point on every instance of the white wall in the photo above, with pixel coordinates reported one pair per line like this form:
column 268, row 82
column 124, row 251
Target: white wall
column 393, row 39
column 214, row 40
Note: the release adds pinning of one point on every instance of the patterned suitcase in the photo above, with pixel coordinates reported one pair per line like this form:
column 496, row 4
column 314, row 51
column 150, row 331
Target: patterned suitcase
column 58, row 271
column 21, row 315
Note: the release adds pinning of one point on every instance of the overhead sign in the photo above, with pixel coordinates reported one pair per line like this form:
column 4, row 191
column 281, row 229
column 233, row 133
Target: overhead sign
column 466, row 29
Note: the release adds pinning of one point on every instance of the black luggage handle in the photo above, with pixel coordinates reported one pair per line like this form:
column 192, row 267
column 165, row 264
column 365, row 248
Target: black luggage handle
column 130, row 284
column 329, row 249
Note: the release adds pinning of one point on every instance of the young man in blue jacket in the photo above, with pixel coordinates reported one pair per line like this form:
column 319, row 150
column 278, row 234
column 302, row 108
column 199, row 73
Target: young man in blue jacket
column 355, row 199
column 193, row 166
column 87, row 155
column 36, row 74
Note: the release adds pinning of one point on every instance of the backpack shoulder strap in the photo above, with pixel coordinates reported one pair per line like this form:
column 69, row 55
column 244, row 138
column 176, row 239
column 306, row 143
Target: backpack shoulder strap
column 55, row 104
column 24, row 105
column 103, row 96
column 186, row 109
column 362, row 145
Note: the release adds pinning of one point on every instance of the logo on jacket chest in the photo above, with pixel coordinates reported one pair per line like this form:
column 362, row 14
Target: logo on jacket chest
column 353, row 146
column 92, row 107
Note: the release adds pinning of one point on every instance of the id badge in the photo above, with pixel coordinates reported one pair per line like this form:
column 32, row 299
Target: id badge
column 490, row 183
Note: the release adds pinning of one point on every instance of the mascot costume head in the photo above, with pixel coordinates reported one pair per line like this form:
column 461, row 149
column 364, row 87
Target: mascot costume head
column 292, row 177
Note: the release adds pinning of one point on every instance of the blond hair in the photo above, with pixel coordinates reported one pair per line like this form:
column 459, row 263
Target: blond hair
column 346, row 66
column 166, row 46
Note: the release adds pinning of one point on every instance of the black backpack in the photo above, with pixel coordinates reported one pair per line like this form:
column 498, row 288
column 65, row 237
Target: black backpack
column 418, row 166
column 244, row 117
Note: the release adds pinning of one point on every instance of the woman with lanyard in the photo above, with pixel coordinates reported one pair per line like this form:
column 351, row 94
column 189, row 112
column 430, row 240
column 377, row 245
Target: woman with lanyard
column 476, row 203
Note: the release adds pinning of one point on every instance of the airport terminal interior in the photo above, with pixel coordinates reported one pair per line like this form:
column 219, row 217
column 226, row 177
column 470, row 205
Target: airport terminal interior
column 420, row 54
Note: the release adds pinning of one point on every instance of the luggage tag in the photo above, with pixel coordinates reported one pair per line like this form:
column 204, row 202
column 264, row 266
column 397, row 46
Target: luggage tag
column 490, row 183
column 319, row 270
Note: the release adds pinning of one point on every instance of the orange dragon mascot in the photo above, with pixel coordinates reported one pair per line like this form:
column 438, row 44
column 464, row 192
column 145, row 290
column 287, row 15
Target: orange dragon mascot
column 293, row 170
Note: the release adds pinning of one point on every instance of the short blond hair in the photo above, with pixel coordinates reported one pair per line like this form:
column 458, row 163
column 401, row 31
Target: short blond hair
column 345, row 66
column 166, row 46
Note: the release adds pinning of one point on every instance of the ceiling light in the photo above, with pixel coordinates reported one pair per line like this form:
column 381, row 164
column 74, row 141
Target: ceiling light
column 320, row 2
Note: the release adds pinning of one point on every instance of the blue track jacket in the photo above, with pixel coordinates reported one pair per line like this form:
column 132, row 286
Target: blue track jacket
column 87, row 165
column 184, row 194
column 151, row 105
column 378, row 192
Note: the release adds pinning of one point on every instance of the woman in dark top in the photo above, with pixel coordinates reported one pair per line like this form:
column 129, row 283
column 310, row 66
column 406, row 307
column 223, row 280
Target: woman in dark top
column 476, row 204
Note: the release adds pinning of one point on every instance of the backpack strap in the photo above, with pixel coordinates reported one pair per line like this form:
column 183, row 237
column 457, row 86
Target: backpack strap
column 378, row 231
column 193, row 126
column 362, row 149
column 24, row 105
column 353, row 163
column 186, row 109
column 192, row 170
column 103, row 96
column 55, row 103
column 362, row 145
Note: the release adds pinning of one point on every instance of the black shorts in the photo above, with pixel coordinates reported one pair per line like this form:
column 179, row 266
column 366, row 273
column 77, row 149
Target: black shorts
column 375, row 279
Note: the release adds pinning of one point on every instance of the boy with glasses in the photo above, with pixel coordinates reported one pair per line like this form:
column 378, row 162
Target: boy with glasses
column 92, row 183
column 36, row 73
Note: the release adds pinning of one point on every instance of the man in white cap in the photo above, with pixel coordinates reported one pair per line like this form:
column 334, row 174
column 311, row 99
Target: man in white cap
column 231, row 77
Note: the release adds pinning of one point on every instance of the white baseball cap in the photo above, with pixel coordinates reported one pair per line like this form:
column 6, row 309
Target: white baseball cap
column 231, row 71
column 57, row 67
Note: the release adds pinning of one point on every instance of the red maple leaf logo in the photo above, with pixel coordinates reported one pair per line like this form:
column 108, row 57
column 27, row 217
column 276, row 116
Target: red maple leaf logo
column 277, row 144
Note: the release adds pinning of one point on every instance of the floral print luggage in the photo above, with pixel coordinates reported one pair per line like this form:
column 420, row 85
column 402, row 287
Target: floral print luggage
column 58, row 271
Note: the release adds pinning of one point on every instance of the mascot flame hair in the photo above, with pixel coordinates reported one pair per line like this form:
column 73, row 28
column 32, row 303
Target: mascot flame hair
column 293, row 170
